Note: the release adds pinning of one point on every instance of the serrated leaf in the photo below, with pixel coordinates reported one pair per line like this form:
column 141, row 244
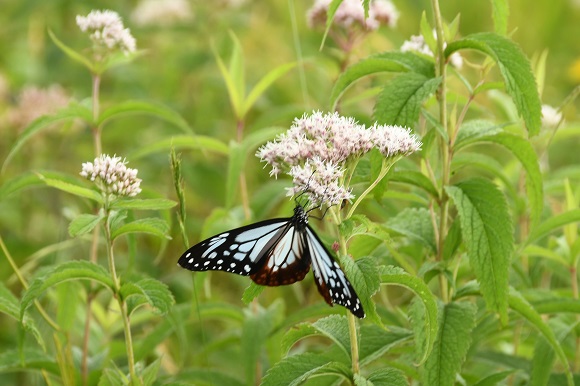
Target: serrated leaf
column 335, row 327
column 521, row 306
column 143, row 107
column 385, row 62
column 500, row 13
column 296, row 333
column 296, row 369
column 515, row 69
column 145, row 204
column 416, row 224
column 72, row 111
column 376, row 341
column 255, row 331
column 365, row 280
column 474, row 130
column 70, row 270
column 152, row 291
column 8, row 302
column 252, row 292
column 487, row 232
column 191, row 142
column 30, row 180
column 149, row 374
column 387, row 377
column 154, row 226
column 73, row 189
column 67, row 293
column 456, row 324
column 83, row 224
column 396, row 276
column 401, row 99
column 414, row 178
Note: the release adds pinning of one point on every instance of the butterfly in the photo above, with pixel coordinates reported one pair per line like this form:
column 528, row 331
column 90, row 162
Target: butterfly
column 276, row 252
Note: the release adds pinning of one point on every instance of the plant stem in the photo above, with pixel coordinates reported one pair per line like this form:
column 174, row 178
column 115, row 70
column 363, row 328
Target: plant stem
column 122, row 305
column 96, row 127
column 446, row 150
column 384, row 170
column 243, row 184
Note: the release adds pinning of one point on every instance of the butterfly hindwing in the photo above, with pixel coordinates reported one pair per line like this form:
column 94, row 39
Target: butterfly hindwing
column 284, row 260
column 237, row 251
column 329, row 277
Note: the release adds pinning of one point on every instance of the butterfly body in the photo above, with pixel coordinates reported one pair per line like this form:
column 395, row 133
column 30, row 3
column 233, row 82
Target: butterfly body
column 275, row 252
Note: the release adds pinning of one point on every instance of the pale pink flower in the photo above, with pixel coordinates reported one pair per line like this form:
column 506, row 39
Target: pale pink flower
column 112, row 176
column 34, row 102
column 551, row 117
column 417, row 43
column 161, row 12
column 106, row 30
column 351, row 12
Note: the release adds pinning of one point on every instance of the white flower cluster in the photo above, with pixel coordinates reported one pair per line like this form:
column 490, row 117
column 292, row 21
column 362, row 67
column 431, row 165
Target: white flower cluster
column 417, row 43
column 112, row 176
column 161, row 12
column 351, row 12
column 318, row 146
column 107, row 31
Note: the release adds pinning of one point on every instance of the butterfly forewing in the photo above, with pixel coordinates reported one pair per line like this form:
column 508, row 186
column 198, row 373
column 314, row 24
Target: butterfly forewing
column 236, row 251
column 330, row 280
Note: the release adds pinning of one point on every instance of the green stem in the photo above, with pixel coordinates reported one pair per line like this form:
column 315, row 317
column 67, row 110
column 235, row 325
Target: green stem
column 384, row 170
column 445, row 148
column 96, row 127
column 122, row 305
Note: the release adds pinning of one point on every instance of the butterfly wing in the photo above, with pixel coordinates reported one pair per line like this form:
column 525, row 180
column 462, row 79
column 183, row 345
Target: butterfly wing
column 284, row 259
column 329, row 278
column 237, row 251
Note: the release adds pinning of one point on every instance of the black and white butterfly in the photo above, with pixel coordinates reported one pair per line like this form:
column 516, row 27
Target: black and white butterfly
column 276, row 252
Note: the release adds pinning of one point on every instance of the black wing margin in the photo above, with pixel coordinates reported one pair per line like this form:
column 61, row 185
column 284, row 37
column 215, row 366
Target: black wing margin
column 329, row 278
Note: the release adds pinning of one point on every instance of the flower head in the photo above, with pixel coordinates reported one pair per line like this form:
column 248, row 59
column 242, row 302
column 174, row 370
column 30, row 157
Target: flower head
column 112, row 176
column 351, row 12
column 107, row 31
column 417, row 43
column 317, row 148
column 161, row 12
column 34, row 102
column 551, row 117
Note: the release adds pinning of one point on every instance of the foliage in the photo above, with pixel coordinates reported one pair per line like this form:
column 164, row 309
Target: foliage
column 464, row 255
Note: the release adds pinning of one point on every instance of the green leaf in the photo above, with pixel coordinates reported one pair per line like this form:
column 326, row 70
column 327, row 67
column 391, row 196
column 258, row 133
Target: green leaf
column 544, row 357
column 145, row 204
column 428, row 33
column 521, row 306
column 191, row 142
column 142, row 107
column 232, row 80
column 385, row 62
column 376, row 341
column 68, row 293
column 330, row 13
column 474, row 131
column 365, row 280
column 452, row 240
column 296, row 333
column 387, row 377
column 154, row 226
column 456, row 324
column 77, row 190
column 255, row 331
column 500, row 13
column 416, row 224
column 70, row 270
column 557, row 305
column 295, row 370
column 515, row 69
column 401, row 99
column 494, row 379
column 263, row 84
column 204, row 376
column 252, row 292
column 27, row 359
column 152, row 291
column 77, row 57
column 70, row 112
column 83, row 224
column 149, row 374
column 396, row 276
column 335, row 327
column 414, row 178
column 487, row 232
column 553, row 223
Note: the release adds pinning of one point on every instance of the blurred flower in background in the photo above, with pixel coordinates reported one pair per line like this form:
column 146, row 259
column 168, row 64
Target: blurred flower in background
column 351, row 13
column 551, row 117
column 161, row 12
column 34, row 102
column 417, row 43
column 107, row 32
